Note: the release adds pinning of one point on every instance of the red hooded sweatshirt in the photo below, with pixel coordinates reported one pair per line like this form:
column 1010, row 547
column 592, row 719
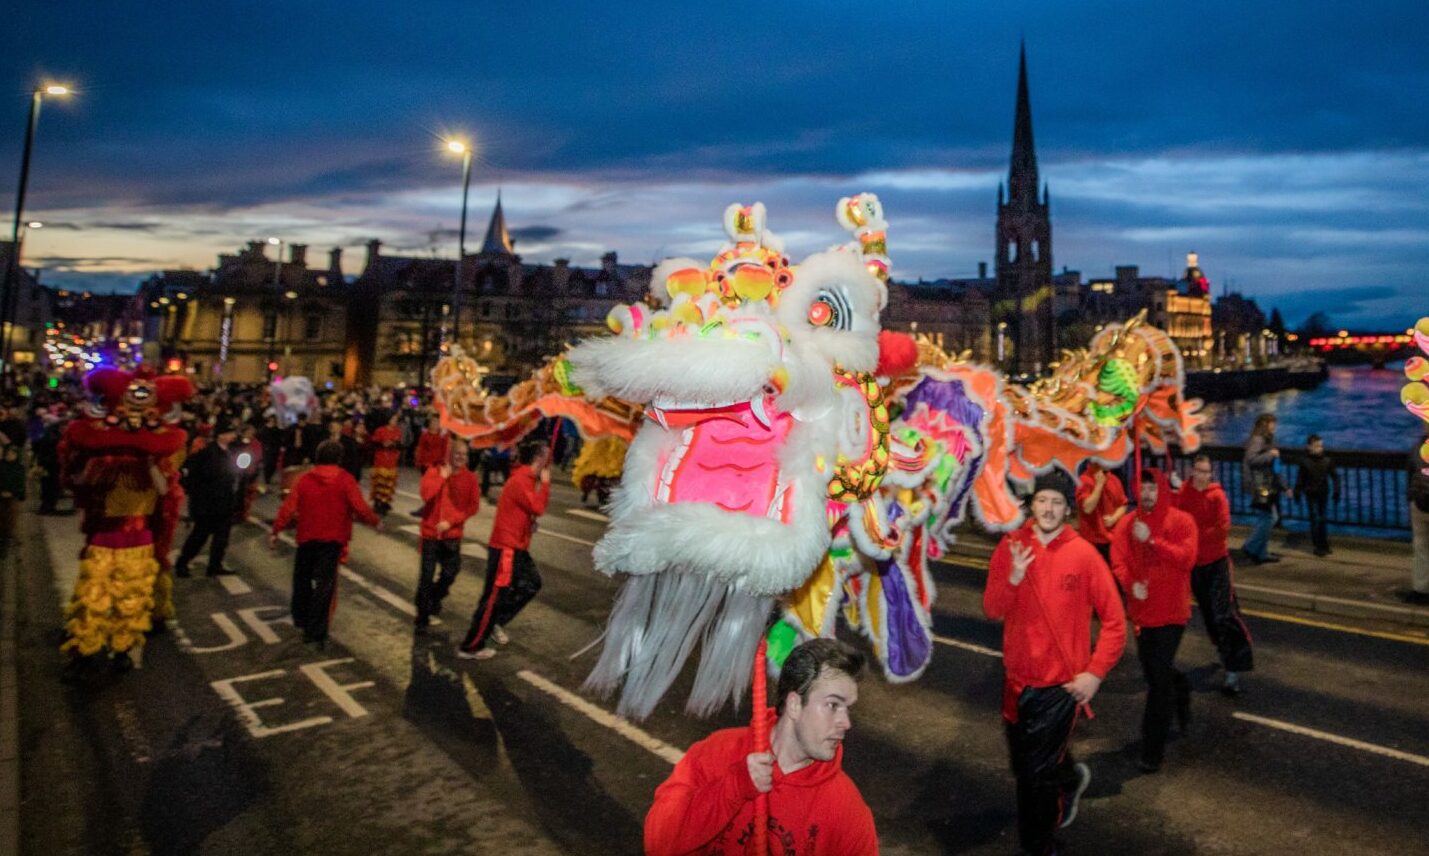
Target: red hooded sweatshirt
column 433, row 447
column 1090, row 526
column 1046, row 630
column 452, row 499
column 324, row 501
column 706, row 807
column 1162, row 562
column 520, row 503
column 1212, row 512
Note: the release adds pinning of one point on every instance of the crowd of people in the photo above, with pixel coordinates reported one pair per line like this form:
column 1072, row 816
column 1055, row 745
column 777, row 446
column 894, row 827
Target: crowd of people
column 1141, row 554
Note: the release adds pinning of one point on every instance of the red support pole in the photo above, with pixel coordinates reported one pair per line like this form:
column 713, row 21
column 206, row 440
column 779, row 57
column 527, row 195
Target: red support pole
column 761, row 744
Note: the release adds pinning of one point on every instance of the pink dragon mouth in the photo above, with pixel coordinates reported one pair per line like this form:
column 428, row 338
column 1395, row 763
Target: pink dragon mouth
column 727, row 456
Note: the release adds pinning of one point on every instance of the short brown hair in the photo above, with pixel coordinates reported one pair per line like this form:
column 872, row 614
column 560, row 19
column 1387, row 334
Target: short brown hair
column 807, row 662
column 329, row 452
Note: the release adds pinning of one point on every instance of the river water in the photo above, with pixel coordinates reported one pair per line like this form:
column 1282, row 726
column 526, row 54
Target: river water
column 1356, row 408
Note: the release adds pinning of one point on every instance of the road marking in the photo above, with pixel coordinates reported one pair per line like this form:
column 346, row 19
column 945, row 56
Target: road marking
column 383, row 594
column 245, row 709
column 1334, row 738
column 967, row 646
column 234, row 584
column 564, row 537
column 260, row 625
column 334, row 690
column 230, row 630
column 1342, row 628
column 619, row 725
column 587, row 514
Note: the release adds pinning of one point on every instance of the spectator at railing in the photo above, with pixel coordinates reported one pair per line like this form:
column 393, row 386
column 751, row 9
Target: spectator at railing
column 1419, row 523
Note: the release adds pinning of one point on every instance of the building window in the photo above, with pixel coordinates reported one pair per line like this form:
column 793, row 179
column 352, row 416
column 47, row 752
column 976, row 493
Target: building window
column 270, row 325
column 1012, row 251
column 602, row 288
column 312, row 327
column 1036, row 250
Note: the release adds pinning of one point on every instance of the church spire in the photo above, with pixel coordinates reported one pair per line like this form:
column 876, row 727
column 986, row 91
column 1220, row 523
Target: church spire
column 1022, row 180
column 498, row 240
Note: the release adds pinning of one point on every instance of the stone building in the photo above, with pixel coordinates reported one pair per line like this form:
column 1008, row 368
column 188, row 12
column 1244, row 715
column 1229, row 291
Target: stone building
column 956, row 314
column 30, row 310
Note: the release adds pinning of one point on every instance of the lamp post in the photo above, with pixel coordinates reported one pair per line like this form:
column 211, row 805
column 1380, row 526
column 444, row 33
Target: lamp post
column 463, row 149
column 10, row 289
column 277, row 288
column 1001, row 340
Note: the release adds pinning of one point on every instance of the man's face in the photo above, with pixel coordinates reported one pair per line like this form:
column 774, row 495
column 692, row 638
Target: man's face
column 457, row 457
column 1049, row 510
column 821, row 723
column 334, row 430
column 227, row 437
column 1317, row 447
column 1148, row 495
column 1201, row 473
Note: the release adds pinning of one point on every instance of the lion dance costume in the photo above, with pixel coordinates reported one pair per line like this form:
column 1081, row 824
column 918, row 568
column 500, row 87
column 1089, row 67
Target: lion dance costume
column 793, row 465
column 110, row 457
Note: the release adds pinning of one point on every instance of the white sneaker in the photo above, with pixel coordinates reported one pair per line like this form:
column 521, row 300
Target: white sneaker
column 499, row 635
column 483, row 654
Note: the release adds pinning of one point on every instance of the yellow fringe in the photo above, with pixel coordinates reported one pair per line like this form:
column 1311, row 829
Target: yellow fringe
column 604, row 458
column 112, row 601
column 384, row 484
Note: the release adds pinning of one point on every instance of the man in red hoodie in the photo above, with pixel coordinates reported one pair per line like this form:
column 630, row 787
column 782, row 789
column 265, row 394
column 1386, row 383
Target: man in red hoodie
column 386, row 451
column 511, row 577
column 1044, row 582
column 707, row 805
column 323, row 501
column 450, row 495
column 1152, row 551
column 1101, row 502
column 1211, row 581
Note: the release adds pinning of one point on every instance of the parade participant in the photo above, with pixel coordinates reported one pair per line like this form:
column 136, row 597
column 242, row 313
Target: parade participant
column 1211, row 580
column 341, row 433
column 511, row 576
column 323, row 503
column 114, row 457
column 210, row 478
column 1044, row 583
column 46, row 452
column 271, row 439
column 707, row 804
column 451, row 495
column 387, row 450
column 248, row 458
column 1152, row 551
column 432, row 446
column 1101, row 502
column 1318, row 484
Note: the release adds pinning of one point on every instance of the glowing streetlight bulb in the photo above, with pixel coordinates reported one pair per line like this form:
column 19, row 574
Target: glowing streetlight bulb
column 274, row 241
column 56, row 89
column 34, row 224
column 456, row 147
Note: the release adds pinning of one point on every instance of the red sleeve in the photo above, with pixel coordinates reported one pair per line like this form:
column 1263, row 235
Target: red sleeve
column 701, row 797
column 855, row 831
column 287, row 511
column 1107, row 603
column 1121, row 552
column 1115, row 490
column 998, row 596
column 1085, row 486
column 531, row 496
column 431, row 483
column 359, row 506
column 468, row 502
column 1175, row 545
column 1221, row 512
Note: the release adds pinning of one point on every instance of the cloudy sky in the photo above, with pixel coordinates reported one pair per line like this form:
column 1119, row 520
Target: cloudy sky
column 1286, row 142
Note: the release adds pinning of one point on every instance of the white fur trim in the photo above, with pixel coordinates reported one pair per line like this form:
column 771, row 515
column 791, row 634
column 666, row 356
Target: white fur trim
column 710, row 371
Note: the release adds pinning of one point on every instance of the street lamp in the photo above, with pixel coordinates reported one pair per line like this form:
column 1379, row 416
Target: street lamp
column 10, row 288
column 1001, row 339
column 277, row 287
column 462, row 148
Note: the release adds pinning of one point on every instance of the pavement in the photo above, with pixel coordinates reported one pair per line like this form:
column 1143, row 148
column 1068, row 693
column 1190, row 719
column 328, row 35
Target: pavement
column 235, row 737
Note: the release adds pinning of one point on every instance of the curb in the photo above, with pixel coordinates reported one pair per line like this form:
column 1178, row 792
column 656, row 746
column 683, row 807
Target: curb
column 1327, row 605
column 9, row 710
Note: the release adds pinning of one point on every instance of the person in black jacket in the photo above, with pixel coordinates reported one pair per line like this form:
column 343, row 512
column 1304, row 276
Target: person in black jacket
column 1318, row 484
column 270, row 436
column 47, row 457
column 210, row 478
column 1418, row 592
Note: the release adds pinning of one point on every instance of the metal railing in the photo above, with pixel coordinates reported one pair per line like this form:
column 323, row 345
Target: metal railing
column 1373, row 490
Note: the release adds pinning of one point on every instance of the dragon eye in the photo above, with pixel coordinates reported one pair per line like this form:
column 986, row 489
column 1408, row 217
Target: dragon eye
column 830, row 309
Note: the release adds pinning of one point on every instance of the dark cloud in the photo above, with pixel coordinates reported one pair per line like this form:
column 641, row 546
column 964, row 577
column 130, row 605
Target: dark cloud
column 534, row 234
column 147, row 226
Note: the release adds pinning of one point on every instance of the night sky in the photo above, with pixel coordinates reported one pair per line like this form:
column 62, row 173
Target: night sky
column 1286, row 142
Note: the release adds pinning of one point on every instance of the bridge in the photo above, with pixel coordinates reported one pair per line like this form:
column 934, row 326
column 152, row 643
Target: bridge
column 1375, row 348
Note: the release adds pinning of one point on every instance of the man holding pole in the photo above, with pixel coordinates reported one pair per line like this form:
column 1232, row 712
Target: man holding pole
column 707, row 805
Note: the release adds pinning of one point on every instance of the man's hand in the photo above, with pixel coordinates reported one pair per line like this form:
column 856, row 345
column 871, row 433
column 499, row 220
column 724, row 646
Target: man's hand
column 1100, row 478
column 1109, row 520
column 273, row 541
column 1274, row 453
column 1083, row 687
column 761, row 770
column 1175, row 480
column 545, row 475
column 442, row 526
column 1138, row 590
column 1021, row 561
column 446, row 471
column 1141, row 531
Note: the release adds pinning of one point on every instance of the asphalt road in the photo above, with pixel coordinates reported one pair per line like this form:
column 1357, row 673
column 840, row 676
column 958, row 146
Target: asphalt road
column 235, row 737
